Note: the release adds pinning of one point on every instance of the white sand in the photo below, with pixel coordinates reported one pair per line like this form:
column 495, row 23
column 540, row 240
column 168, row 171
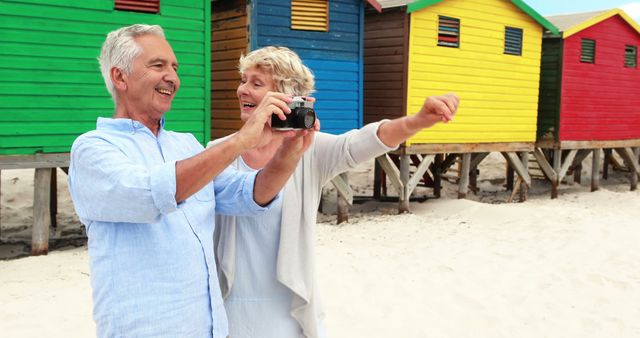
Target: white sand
column 453, row 268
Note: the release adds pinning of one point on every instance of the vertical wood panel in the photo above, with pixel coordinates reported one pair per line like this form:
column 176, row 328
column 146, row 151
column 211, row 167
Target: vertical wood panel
column 228, row 42
column 385, row 37
column 550, row 84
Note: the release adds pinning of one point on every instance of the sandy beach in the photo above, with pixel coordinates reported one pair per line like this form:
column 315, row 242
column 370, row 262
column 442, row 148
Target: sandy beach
column 478, row 267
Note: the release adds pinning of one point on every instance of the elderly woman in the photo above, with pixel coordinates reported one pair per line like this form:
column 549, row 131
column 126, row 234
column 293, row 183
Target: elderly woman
column 266, row 263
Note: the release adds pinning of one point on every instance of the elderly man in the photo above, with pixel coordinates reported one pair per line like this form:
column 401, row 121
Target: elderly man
column 147, row 196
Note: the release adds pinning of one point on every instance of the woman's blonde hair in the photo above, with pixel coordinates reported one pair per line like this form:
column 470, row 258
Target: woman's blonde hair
column 290, row 75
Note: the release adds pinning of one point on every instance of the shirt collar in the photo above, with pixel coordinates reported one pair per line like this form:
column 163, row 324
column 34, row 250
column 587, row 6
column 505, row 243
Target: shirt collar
column 126, row 125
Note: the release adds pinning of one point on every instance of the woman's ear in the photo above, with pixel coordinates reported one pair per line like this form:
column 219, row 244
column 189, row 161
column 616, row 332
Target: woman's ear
column 118, row 78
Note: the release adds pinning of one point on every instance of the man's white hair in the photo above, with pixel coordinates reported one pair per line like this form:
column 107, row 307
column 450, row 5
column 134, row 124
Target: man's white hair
column 120, row 49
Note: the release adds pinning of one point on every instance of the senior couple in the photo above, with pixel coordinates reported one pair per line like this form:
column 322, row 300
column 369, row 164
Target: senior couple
column 218, row 242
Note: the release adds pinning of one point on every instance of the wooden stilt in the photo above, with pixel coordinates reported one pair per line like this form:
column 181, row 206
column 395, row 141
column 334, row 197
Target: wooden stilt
column 634, row 176
column 557, row 162
column 416, row 161
column 568, row 160
column 595, row 170
column 463, row 184
column 421, row 169
column 524, row 188
column 377, row 182
column 547, row 169
column 437, row 175
column 0, row 202
column 518, row 166
column 516, row 189
column 53, row 208
column 476, row 158
column 607, row 160
column 576, row 166
column 390, row 170
column 41, row 212
column 510, row 176
column 629, row 157
column 345, row 196
column 403, row 204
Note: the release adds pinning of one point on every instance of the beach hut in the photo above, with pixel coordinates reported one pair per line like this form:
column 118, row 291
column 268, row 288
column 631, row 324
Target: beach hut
column 327, row 34
column 488, row 52
column 589, row 92
column 52, row 89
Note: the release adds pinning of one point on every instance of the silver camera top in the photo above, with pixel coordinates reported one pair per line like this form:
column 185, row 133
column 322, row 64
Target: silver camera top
column 300, row 101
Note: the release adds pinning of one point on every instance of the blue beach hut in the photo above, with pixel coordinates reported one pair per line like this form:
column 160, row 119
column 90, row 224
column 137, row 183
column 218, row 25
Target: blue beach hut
column 328, row 36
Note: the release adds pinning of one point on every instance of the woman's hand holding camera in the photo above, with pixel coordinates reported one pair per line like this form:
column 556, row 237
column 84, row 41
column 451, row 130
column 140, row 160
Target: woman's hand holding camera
column 254, row 129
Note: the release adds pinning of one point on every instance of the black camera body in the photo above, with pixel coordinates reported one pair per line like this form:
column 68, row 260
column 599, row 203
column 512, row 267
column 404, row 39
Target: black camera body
column 302, row 115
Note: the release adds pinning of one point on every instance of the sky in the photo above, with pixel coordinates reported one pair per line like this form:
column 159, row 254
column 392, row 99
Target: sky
column 551, row 7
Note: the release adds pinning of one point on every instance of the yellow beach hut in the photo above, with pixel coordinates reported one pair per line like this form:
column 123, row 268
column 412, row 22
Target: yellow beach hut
column 488, row 52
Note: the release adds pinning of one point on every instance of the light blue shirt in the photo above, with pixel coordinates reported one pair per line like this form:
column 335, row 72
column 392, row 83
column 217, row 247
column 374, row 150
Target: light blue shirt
column 153, row 271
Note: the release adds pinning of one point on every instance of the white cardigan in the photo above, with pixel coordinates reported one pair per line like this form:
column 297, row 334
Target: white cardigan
column 328, row 156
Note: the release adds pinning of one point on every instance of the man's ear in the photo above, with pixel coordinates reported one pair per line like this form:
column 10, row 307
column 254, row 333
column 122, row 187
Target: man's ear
column 118, row 78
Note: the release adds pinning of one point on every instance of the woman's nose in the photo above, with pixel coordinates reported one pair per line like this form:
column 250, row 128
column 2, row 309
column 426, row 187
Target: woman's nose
column 242, row 89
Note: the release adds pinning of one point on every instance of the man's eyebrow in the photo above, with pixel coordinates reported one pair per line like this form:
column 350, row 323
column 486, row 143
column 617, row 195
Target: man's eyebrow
column 161, row 60
column 154, row 60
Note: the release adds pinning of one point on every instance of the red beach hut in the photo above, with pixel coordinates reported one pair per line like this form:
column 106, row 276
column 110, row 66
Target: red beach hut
column 590, row 88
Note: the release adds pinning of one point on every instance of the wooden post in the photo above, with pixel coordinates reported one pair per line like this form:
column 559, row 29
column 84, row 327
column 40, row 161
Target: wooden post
column 0, row 203
column 524, row 189
column 41, row 212
column 634, row 174
column 403, row 204
column 577, row 173
column 463, row 184
column 343, row 203
column 557, row 163
column 377, row 182
column 53, row 208
column 607, row 160
column 437, row 175
column 595, row 170
column 510, row 176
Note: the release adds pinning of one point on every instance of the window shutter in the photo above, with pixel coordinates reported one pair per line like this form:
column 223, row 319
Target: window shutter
column 448, row 31
column 513, row 41
column 310, row 15
column 145, row 6
column 630, row 56
column 588, row 52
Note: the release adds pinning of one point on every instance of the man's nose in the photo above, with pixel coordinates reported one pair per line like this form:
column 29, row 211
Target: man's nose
column 171, row 75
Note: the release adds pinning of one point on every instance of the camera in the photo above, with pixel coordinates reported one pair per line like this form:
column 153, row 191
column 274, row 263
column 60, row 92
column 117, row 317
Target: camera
column 302, row 115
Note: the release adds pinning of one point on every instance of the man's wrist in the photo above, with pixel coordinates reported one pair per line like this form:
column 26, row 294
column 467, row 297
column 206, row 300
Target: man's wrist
column 236, row 144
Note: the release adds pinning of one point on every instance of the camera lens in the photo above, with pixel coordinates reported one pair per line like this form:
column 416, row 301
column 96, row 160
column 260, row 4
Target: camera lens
column 306, row 118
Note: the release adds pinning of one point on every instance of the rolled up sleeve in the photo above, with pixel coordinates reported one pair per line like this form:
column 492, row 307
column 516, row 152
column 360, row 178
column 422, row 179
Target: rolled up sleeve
column 163, row 187
column 234, row 193
column 107, row 186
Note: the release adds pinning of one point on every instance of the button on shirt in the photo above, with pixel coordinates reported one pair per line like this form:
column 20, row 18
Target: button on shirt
column 153, row 271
